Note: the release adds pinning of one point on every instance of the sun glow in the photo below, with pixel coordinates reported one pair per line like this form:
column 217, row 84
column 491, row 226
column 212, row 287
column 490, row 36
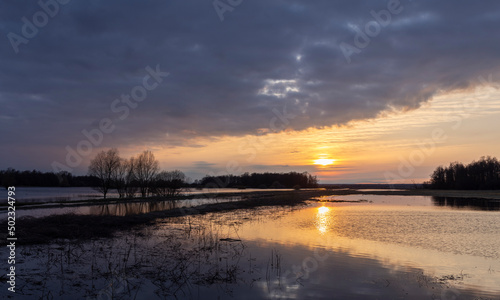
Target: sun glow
column 323, row 210
column 324, row 161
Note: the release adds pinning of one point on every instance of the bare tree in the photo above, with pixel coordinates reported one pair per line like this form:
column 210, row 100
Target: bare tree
column 145, row 169
column 104, row 166
column 169, row 183
column 130, row 187
column 119, row 177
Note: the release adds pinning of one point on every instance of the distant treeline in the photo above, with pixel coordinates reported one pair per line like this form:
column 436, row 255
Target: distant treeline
column 11, row 177
column 483, row 174
column 262, row 180
column 34, row 178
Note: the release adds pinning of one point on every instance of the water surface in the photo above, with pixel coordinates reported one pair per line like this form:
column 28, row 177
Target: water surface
column 58, row 194
column 113, row 209
column 385, row 247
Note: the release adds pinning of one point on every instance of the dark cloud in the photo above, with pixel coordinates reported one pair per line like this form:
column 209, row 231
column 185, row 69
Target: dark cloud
column 227, row 77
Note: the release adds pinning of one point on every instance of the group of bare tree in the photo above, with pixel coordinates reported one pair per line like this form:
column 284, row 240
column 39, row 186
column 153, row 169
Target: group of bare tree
column 169, row 183
column 136, row 174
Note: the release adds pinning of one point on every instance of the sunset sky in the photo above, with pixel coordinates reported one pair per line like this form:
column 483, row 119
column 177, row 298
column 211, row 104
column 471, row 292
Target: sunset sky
column 351, row 91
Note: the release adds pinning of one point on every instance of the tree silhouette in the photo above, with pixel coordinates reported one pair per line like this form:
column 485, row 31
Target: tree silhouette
column 129, row 179
column 146, row 167
column 104, row 166
column 262, row 180
column 169, row 183
column 478, row 175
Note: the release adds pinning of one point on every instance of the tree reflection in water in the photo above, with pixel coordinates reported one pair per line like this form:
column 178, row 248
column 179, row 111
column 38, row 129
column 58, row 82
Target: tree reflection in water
column 467, row 203
column 133, row 208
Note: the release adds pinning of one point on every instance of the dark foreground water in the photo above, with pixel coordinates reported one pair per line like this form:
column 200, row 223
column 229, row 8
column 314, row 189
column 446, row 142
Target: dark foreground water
column 385, row 247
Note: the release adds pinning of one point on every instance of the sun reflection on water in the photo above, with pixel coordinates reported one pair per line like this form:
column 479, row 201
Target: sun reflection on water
column 323, row 219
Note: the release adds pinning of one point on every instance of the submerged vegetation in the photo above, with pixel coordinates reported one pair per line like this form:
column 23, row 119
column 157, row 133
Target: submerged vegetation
column 195, row 254
column 167, row 263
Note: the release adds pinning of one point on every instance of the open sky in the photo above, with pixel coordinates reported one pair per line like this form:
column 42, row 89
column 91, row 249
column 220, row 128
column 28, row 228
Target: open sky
column 351, row 91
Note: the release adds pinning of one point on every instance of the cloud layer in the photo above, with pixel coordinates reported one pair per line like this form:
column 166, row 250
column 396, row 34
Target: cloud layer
column 227, row 77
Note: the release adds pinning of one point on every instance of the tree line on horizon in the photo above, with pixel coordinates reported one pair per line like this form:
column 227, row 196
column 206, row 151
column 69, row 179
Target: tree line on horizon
column 107, row 170
column 141, row 174
column 262, row 180
column 35, row 178
column 483, row 174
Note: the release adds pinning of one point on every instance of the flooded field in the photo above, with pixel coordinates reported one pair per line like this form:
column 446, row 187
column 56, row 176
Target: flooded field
column 338, row 247
column 114, row 209
column 57, row 194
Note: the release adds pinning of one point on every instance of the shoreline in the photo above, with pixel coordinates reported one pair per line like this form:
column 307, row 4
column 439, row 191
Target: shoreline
column 480, row 194
column 83, row 227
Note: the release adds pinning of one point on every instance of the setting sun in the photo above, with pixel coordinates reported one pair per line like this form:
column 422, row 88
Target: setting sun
column 324, row 161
